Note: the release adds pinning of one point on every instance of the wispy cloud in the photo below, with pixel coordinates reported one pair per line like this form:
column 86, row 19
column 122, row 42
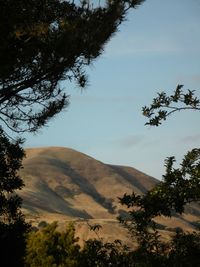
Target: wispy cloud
column 196, row 78
column 191, row 138
column 139, row 45
column 130, row 141
column 189, row 77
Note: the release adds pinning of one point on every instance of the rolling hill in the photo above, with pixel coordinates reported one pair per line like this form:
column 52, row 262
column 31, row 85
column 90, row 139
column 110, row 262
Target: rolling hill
column 63, row 184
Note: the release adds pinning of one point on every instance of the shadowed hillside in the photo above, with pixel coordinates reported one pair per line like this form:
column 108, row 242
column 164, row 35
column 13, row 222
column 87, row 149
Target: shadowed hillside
column 62, row 180
column 63, row 184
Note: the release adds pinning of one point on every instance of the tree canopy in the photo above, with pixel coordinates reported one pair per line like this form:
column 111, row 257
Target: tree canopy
column 179, row 187
column 49, row 247
column 43, row 42
column 12, row 222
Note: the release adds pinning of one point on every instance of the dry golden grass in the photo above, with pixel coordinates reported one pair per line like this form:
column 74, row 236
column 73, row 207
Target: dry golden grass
column 62, row 184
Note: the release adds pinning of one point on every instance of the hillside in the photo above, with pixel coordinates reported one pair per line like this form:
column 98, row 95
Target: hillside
column 63, row 184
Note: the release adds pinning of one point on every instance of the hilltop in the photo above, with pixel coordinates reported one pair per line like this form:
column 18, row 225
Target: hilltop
column 63, row 184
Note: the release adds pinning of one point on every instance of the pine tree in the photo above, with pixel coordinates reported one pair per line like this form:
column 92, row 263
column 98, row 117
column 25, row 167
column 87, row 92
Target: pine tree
column 44, row 42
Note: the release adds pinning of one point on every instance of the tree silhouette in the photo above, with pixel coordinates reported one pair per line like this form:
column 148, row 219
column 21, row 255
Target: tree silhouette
column 44, row 42
column 12, row 223
column 163, row 106
column 179, row 187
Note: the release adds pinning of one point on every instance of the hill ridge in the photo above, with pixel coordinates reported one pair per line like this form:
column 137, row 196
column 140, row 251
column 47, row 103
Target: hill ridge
column 64, row 184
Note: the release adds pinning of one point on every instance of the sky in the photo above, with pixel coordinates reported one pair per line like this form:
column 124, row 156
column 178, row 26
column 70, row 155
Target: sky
column 156, row 48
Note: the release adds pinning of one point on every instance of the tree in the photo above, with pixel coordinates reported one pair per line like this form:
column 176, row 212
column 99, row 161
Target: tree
column 48, row 247
column 43, row 42
column 52, row 248
column 179, row 187
column 12, row 223
column 97, row 253
column 166, row 105
column 185, row 249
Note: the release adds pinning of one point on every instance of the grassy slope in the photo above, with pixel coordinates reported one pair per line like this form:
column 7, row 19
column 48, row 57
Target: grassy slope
column 63, row 184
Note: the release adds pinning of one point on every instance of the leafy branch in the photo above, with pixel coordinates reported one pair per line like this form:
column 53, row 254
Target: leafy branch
column 163, row 106
column 179, row 187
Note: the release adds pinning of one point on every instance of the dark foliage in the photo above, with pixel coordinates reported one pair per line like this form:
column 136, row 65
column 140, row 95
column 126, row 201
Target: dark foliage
column 179, row 187
column 12, row 223
column 163, row 105
column 185, row 250
column 43, row 42
column 50, row 247
column 97, row 253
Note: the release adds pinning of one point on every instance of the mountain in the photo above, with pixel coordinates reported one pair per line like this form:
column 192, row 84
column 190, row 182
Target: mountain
column 63, row 184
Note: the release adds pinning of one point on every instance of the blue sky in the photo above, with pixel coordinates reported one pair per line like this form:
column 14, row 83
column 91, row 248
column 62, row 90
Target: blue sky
column 157, row 48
